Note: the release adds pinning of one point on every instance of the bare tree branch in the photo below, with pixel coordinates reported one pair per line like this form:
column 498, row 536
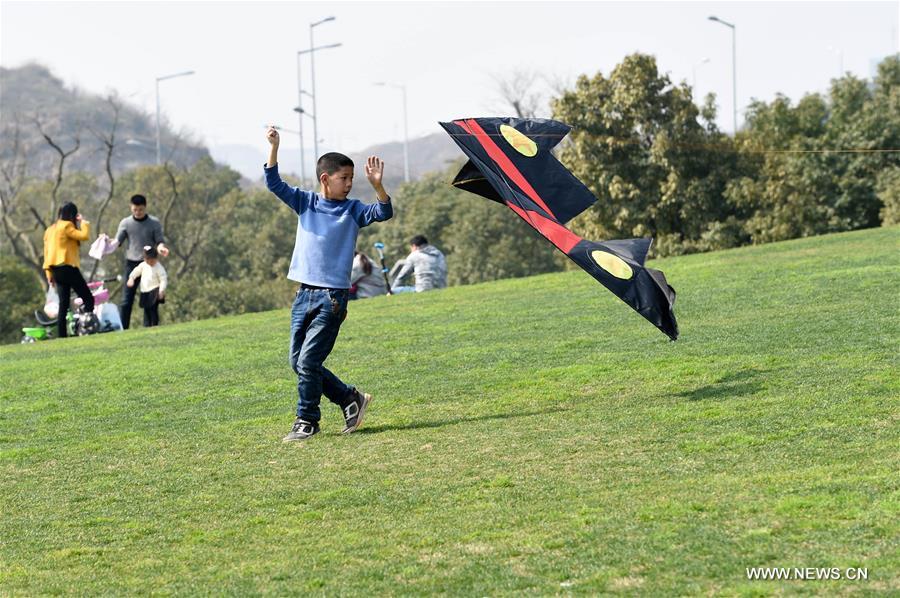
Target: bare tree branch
column 14, row 171
column 173, row 200
column 176, row 143
column 22, row 244
column 517, row 90
column 109, row 143
column 54, row 205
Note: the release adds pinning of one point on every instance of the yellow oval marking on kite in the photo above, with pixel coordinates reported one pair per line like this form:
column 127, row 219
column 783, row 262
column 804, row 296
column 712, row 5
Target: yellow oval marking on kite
column 520, row 142
column 612, row 264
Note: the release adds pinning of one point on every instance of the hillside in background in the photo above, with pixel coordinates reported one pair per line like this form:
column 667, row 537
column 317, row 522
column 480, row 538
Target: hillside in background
column 33, row 92
column 431, row 153
column 426, row 154
column 528, row 437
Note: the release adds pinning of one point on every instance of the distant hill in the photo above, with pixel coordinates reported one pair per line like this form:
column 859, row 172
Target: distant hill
column 32, row 91
column 426, row 154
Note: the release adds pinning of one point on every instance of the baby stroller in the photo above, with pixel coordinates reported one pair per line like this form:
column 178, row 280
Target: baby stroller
column 80, row 322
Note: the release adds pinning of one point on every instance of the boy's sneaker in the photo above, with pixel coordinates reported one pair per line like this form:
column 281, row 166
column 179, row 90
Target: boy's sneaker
column 301, row 430
column 354, row 412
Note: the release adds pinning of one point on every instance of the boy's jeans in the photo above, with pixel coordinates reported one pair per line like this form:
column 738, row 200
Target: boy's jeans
column 316, row 318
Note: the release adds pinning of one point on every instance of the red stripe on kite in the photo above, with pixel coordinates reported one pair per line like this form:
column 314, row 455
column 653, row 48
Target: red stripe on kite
column 502, row 161
column 552, row 230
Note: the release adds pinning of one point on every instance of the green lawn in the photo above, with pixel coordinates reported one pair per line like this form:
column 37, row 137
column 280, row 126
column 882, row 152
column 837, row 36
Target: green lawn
column 527, row 436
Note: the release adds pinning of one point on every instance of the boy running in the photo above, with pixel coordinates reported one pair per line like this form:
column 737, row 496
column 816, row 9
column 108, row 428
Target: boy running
column 327, row 226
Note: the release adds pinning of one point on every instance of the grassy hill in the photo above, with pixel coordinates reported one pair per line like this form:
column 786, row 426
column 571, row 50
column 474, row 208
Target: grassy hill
column 527, row 436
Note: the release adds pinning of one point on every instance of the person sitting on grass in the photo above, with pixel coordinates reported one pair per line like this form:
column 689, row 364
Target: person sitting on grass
column 366, row 278
column 328, row 224
column 152, row 285
column 427, row 263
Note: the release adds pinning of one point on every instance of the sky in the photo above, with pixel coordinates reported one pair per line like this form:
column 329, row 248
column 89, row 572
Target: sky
column 448, row 55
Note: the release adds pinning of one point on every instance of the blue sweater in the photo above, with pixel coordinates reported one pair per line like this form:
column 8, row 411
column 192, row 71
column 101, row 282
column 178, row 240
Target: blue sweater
column 326, row 232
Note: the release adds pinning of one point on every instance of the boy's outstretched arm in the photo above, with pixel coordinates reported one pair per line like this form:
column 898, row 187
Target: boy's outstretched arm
column 292, row 196
column 375, row 173
column 382, row 209
column 274, row 140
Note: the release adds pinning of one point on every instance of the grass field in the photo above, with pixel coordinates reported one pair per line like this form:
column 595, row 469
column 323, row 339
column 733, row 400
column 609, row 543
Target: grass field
column 527, row 436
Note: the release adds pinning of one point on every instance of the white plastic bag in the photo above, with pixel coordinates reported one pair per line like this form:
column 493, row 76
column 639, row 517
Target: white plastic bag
column 102, row 246
column 108, row 314
column 51, row 305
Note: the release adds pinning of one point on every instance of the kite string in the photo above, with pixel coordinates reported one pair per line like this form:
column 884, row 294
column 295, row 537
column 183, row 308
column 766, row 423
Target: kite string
column 722, row 147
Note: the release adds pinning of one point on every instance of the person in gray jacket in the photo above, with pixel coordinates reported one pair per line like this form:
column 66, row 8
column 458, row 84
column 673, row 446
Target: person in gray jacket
column 141, row 229
column 427, row 263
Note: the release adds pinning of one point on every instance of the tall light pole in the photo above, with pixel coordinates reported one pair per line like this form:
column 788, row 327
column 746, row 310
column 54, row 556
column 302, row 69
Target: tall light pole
column 312, row 72
column 300, row 110
column 402, row 88
column 694, row 72
column 733, row 66
column 158, row 79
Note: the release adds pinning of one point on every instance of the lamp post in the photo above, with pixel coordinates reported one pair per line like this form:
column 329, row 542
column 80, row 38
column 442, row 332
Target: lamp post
column 158, row 79
column 300, row 110
column 694, row 72
column 733, row 67
column 402, row 88
column 312, row 72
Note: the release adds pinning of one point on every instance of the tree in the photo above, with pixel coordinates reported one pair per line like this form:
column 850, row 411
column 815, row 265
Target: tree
column 25, row 214
column 823, row 165
column 888, row 191
column 638, row 145
column 520, row 90
column 18, row 289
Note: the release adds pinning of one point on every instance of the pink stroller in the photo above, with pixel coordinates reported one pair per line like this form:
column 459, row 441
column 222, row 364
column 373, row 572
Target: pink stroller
column 104, row 318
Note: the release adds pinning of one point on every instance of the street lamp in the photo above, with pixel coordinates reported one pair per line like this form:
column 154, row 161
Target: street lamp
column 158, row 79
column 312, row 72
column 402, row 88
column 300, row 110
column 733, row 67
column 694, row 71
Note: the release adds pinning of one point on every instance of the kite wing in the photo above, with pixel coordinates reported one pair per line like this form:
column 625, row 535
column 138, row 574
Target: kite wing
column 510, row 162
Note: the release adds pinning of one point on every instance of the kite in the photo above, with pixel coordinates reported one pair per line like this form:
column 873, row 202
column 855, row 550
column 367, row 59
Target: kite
column 510, row 162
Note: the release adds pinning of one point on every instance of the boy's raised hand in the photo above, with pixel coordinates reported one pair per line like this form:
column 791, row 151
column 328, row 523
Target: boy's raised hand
column 375, row 171
column 272, row 136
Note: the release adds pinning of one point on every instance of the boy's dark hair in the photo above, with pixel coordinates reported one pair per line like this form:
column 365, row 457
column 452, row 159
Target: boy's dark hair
column 139, row 200
column 150, row 252
column 330, row 163
column 419, row 241
column 68, row 211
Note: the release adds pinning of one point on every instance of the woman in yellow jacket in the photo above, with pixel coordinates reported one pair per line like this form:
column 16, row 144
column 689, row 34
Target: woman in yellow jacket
column 61, row 260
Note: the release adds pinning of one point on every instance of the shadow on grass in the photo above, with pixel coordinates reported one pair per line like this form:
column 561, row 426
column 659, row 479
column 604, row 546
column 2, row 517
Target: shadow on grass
column 455, row 420
column 737, row 384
